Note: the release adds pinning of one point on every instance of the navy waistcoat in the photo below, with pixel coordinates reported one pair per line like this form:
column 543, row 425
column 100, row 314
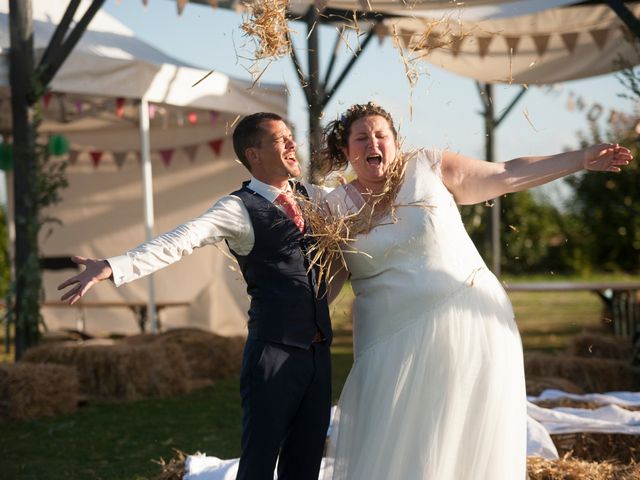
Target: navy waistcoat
column 288, row 305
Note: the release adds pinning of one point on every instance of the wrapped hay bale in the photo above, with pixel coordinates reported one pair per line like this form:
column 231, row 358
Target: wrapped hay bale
column 209, row 356
column 597, row 447
column 29, row 390
column 589, row 344
column 536, row 385
column 118, row 371
column 591, row 374
column 574, row 469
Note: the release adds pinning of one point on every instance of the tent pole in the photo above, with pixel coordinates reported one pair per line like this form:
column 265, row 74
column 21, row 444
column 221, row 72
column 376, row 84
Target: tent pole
column 493, row 233
column 147, row 181
column 315, row 90
column 625, row 15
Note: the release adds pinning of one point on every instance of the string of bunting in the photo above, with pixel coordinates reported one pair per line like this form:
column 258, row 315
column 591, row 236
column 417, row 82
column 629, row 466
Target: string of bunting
column 166, row 155
column 81, row 107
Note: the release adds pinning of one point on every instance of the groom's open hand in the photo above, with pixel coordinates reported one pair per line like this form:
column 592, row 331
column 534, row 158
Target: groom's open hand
column 95, row 271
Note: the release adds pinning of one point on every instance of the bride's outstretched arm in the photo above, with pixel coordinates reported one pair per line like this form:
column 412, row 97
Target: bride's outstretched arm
column 473, row 181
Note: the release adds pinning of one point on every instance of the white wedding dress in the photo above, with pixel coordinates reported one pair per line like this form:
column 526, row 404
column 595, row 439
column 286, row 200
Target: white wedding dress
column 437, row 388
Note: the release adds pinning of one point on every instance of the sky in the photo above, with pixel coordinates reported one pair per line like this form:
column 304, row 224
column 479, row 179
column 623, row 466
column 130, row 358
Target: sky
column 445, row 106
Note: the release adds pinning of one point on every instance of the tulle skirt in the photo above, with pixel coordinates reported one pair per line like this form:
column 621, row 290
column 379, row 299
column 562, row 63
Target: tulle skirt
column 442, row 398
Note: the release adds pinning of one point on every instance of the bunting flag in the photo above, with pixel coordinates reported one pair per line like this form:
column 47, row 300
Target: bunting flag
column 166, row 156
column 600, row 37
column 119, row 158
column 120, row 107
column 512, row 44
column 192, row 117
column 79, row 106
column 181, row 4
column 96, row 156
column 213, row 3
column 46, row 99
column 213, row 115
column 191, row 152
column 216, row 146
column 152, row 111
column 483, row 45
column 541, row 42
column 73, row 156
column 570, row 40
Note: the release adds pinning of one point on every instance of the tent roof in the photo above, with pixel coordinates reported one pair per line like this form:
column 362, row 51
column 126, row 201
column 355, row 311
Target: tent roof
column 546, row 47
column 109, row 60
column 498, row 41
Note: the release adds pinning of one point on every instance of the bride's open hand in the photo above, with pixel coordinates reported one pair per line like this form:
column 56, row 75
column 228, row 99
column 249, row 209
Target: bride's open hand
column 606, row 157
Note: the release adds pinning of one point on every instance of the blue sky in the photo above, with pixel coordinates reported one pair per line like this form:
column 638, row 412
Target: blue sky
column 445, row 106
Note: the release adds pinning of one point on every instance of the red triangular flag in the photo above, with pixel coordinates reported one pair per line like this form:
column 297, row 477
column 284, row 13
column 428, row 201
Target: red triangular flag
column 96, row 156
column 191, row 151
column 193, row 118
column 120, row 107
column 166, row 156
column 216, row 146
column 46, row 98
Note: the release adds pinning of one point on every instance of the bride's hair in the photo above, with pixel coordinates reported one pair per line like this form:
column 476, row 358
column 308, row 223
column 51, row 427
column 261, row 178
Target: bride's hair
column 336, row 136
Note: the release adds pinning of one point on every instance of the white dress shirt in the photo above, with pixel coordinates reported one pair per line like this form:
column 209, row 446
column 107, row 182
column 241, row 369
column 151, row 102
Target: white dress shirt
column 228, row 219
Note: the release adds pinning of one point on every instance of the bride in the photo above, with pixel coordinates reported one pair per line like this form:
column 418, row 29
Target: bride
column 437, row 386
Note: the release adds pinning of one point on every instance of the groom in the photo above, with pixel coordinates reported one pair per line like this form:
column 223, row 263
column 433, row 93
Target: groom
column 285, row 380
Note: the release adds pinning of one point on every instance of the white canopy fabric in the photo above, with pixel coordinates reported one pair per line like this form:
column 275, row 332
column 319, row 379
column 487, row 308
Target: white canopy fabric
column 95, row 104
column 469, row 9
column 549, row 46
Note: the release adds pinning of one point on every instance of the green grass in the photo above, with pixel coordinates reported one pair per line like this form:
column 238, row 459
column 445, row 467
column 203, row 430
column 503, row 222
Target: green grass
column 120, row 441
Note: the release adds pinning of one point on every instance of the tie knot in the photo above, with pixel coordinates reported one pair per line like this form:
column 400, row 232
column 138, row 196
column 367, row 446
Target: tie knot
column 291, row 208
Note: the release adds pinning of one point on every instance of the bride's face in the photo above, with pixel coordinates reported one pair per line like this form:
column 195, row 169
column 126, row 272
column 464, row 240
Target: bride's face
column 371, row 148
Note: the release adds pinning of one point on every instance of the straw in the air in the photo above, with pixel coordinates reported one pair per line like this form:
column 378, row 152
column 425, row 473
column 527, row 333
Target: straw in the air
column 29, row 390
column 332, row 233
column 266, row 24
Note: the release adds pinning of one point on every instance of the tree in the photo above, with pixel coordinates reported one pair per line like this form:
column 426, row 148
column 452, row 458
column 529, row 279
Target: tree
column 608, row 205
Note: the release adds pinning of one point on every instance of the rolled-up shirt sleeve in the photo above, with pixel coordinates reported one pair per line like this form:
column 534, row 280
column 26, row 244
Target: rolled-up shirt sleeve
column 227, row 220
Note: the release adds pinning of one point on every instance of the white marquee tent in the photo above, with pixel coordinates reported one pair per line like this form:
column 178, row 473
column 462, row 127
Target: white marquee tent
column 95, row 102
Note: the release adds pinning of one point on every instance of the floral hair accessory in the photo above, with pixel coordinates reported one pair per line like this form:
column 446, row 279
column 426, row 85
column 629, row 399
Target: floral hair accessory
column 354, row 112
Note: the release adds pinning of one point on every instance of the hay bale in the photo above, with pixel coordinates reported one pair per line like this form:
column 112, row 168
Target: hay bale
column 116, row 371
column 591, row 374
column 209, row 356
column 591, row 344
column 29, row 390
column 574, row 469
column 597, row 447
column 536, row 385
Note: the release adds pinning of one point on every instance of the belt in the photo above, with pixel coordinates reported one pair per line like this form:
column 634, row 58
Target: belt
column 318, row 337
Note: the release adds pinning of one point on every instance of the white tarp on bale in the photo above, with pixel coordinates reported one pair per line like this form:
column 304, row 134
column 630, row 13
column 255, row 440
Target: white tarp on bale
column 94, row 103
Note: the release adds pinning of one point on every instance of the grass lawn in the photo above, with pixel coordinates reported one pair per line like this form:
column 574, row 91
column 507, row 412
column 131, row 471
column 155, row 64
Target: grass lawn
column 120, row 441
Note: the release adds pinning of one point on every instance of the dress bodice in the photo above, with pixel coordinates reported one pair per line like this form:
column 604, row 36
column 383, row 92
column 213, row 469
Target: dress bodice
column 412, row 261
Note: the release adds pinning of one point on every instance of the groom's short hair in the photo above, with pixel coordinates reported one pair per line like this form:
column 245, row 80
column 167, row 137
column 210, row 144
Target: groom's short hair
column 248, row 134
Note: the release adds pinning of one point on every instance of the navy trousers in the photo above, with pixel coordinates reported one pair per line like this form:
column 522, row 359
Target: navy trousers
column 286, row 403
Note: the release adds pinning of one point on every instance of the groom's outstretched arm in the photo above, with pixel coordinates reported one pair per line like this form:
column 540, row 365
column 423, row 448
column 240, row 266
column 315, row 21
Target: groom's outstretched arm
column 96, row 270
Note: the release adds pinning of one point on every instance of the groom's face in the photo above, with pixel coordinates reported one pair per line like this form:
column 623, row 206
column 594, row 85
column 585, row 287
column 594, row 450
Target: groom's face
column 275, row 157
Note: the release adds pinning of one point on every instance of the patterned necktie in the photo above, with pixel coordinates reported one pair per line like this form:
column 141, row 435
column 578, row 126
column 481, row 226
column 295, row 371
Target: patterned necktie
column 291, row 208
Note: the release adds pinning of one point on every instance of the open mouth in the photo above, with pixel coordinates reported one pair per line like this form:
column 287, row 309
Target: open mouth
column 374, row 160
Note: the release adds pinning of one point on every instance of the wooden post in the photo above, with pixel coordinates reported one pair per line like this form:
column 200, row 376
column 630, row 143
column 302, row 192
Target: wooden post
column 25, row 168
